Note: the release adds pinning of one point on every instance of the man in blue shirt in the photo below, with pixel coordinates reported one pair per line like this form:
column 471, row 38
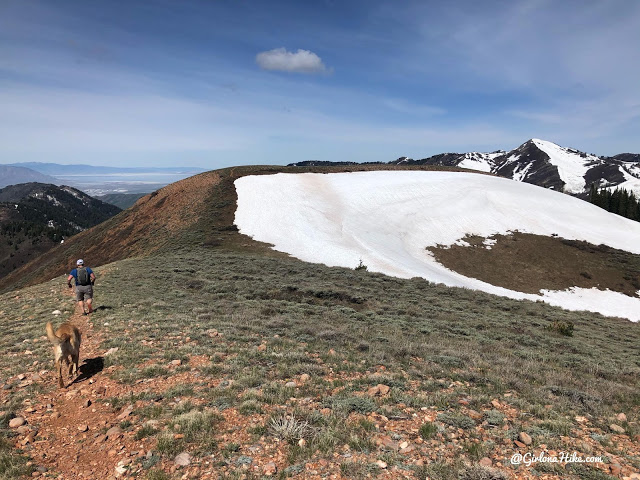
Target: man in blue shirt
column 85, row 279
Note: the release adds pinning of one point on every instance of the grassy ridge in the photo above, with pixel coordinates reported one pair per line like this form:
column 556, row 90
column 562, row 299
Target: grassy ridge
column 348, row 330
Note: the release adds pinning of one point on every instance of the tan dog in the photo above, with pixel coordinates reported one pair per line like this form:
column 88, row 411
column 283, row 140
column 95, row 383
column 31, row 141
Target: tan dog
column 66, row 347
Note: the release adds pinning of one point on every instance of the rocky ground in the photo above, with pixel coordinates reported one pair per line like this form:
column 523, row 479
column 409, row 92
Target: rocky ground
column 167, row 426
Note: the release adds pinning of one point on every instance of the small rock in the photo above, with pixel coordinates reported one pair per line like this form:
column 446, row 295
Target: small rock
column 114, row 432
column 83, row 428
column 302, row 442
column 305, row 377
column 381, row 464
column 100, row 439
column 262, row 347
column 519, row 444
column 111, row 351
column 621, row 417
column 616, row 428
column 120, row 470
column 485, row 462
column 55, row 415
column 270, row 469
column 404, row 445
column 22, row 376
column 176, row 363
column 525, row 438
column 615, row 469
column 290, row 385
column 125, row 413
column 86, row 404
column 183, row 459
column 586, row 448
column 379, row 390
column 56, row 312
column 17, row 422
column 112, row 453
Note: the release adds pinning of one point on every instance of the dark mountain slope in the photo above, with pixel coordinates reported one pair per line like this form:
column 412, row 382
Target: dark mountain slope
column 34, row 217
column 121, row 200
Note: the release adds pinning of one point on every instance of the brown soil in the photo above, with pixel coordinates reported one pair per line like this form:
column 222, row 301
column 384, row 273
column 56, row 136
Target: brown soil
column 529, row 263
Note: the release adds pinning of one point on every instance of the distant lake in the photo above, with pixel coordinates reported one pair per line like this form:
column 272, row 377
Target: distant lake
column 120, row 182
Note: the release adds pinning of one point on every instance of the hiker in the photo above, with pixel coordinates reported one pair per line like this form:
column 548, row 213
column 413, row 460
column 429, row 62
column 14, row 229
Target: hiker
column 85, row 279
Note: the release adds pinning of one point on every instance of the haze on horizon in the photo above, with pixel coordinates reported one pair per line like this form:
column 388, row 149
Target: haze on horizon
column 214, row 84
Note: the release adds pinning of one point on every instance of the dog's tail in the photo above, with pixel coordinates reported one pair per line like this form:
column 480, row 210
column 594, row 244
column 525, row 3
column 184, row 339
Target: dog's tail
column 51, row 334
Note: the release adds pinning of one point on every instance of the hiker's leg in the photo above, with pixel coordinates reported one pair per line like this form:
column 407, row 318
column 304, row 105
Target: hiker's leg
column 80, row 298
column 90, row 305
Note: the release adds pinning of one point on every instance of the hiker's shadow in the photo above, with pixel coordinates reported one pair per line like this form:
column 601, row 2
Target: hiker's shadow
column 104, row 307
column 89, row 368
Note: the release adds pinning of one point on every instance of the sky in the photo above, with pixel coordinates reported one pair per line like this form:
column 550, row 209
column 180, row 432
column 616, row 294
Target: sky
column 216, row 83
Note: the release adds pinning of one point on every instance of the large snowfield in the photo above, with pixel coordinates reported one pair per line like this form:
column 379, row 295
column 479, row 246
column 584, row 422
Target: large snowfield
column 387, row 218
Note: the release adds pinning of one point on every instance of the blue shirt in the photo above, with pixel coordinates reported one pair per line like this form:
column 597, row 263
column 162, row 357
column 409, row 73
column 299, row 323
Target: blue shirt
column 74, row 274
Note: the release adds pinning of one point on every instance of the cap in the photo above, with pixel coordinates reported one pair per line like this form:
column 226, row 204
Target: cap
column 80, row 262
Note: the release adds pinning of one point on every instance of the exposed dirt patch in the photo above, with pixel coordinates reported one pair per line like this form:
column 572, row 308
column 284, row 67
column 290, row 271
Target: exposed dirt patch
column 529, row 263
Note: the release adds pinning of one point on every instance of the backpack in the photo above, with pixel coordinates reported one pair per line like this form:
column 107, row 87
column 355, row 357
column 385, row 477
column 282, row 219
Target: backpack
column 83, row 277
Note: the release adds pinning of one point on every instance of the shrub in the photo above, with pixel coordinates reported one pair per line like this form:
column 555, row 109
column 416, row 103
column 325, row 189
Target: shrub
column 361, row 266
column 563, row 328
column 287, row 427
column 455, row 420
column 428, row 430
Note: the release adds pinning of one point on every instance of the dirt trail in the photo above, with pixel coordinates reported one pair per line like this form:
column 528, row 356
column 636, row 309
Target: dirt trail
column 72, row 422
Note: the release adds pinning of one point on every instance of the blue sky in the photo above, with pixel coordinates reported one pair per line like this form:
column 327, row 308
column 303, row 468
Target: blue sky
column 227, row 82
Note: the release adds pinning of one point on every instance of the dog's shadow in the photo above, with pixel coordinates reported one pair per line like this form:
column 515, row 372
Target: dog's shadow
column 89, row 368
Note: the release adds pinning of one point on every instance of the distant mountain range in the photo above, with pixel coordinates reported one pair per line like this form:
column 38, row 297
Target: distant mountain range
column 541, row 163
column 81, row 169
column 34, row 217
column 11, row 175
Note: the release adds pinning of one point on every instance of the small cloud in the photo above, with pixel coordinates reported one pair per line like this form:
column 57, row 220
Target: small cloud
column 303, row 61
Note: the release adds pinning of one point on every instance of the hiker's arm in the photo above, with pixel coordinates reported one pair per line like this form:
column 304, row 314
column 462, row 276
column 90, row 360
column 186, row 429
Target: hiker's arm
column 92, row 277
column 69, row 278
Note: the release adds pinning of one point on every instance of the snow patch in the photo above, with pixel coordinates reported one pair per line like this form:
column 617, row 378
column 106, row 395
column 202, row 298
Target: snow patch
column 489, row 242
column 53, row 200
column 519, row 173
column 571, row 166
column 387, row 218
column 631, row 183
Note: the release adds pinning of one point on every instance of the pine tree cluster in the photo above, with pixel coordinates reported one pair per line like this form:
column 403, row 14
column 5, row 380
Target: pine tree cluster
column 619, row 201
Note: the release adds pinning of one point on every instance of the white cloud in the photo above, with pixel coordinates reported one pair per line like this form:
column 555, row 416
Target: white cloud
column 303, row 61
